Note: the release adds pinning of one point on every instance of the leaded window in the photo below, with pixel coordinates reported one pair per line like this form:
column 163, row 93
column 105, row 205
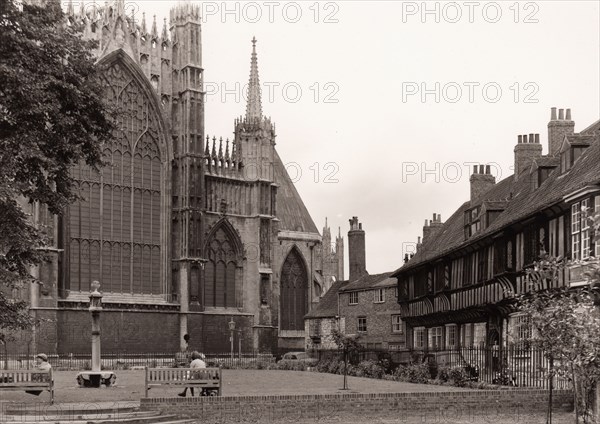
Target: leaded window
column 293, row 297
column 114, row 230
column 220, row 271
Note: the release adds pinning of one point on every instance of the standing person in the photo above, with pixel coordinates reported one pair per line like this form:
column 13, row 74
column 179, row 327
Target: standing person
column 197, row 363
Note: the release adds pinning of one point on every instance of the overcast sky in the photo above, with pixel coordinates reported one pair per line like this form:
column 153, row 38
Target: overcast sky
column 346, row 80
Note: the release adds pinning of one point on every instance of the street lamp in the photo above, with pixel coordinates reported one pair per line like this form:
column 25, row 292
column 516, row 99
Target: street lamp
column 96, row 376
column 231, row 331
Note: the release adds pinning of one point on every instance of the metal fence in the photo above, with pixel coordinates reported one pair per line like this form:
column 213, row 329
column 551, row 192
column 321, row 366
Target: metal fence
column 519, row 367
column 514, row 366
column 124, row 360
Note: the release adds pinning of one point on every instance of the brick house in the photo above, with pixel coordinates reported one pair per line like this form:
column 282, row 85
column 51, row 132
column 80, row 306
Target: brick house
column 369, row 308
column 455, row 290
column 365, row 305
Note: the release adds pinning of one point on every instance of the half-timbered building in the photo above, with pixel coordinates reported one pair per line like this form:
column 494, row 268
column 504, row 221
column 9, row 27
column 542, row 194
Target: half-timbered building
column 456, row 290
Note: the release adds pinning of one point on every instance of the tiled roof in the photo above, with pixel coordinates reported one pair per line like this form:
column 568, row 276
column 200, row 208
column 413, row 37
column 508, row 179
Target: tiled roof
column 370, row 281
column 595, row 127
column 290, row 208
column 523, row 198
column 547, row 161
column 328, row 304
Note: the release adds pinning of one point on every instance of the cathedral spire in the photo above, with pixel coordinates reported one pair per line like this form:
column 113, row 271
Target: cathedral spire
column 165, row 33
column 254, row 107
column 154, row 29
column 144, row 31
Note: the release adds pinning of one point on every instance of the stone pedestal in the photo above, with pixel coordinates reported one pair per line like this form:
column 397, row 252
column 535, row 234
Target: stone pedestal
column 96, row 378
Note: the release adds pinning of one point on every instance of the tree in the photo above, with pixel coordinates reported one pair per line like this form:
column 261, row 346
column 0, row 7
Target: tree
column 52, row 116
column 566, row 326
column 349, row 345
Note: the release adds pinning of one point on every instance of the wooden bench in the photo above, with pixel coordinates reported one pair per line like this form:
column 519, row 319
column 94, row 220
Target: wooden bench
column 200, row 378
column 29, row 380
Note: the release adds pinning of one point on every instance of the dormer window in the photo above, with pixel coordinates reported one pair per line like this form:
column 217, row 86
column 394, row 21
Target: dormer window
column 472, row 222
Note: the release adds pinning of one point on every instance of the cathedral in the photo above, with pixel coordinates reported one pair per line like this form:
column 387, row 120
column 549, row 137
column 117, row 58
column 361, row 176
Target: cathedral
column 188, row 234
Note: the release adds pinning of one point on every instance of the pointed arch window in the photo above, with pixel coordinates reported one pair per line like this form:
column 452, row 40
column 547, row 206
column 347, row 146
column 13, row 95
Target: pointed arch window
column 294, row 286
column 114, row 230
column 220, row 272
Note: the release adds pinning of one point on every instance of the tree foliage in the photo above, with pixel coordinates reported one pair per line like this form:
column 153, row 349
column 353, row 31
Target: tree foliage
column 52, row 116
column 566, row 326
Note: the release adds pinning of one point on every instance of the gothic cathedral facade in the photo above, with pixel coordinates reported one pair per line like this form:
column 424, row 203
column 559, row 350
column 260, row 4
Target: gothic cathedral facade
column 185, row 232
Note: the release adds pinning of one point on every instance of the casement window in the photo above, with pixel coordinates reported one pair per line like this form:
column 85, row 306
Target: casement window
column 420, row 338
column 520, row 330
column 436, row 338
column 580, row 230
column 379, row 296
column 362, row 324
column 451, row 336
column 397, row 324
column 479, row 332
column 353, row 298
column 467, row 335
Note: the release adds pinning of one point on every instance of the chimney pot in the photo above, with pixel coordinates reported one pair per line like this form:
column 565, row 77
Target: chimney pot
column 434, row 215
column 474, row 169
column 525, row 138
column 561, row 114
column 553, row 114
column 520, row 139
column 488, row 170
column 360, row 226
column 439, row 217
column 531, row 138
column 482, row 169
column 419, row 240
column 537, row 138
column 426, row 223
column 568, row 117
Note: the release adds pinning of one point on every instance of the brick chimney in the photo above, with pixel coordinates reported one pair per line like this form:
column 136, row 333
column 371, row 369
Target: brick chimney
column 356, row 250
column 558, row 128
column 526, row 151
column 432, row 227
column 481, row 181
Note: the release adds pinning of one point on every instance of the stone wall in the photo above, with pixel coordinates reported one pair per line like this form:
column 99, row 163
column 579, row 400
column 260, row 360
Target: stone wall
column 470, row 406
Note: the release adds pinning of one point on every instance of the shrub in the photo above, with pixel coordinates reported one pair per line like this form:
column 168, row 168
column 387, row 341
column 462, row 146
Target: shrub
column 371, row 369
column 415, row 373
column 458, row 377
column 443, row 374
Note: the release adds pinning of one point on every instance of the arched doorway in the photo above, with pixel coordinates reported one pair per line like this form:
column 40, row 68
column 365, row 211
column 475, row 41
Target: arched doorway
column 294, row 287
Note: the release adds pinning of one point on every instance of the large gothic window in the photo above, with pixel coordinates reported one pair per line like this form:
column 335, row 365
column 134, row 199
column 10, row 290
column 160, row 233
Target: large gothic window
column 294, row 286
column 220, row 272
column 115, row 229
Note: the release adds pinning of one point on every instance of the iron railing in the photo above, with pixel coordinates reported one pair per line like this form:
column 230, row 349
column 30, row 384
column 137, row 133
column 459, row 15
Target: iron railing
column 125, row 360
column 512, row 366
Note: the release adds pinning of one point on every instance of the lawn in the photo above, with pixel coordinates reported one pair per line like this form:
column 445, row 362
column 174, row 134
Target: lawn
column 130, row 387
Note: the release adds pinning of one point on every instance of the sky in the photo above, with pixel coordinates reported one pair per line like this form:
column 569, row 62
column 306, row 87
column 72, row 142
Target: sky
column 382, row 107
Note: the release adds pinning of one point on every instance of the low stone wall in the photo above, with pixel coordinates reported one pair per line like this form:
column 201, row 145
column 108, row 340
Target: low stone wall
column 471, row 405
